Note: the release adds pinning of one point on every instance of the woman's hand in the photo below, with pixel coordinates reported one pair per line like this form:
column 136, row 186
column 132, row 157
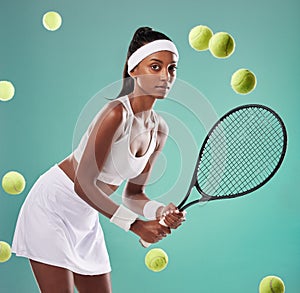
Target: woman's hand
column 150, row 231
column 172, row 217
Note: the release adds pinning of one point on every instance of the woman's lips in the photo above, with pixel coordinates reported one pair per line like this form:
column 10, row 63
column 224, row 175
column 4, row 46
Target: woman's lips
column 163, row 87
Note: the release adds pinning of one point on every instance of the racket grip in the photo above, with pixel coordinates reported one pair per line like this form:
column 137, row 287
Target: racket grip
column 147, row 244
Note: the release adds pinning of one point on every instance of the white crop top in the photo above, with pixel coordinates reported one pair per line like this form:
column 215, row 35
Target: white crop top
column 121, row 164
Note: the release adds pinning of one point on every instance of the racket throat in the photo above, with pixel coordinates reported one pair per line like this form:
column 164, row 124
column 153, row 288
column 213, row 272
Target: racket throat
column 202, row 199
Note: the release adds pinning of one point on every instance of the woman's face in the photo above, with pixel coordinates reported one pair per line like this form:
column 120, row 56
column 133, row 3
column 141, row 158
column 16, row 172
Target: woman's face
column 155, row 74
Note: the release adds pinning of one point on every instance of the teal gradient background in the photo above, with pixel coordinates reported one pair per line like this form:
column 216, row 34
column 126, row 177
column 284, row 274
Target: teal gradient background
column 226, row 246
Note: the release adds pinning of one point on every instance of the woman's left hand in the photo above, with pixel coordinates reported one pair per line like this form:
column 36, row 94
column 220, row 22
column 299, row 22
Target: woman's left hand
column 172, row 217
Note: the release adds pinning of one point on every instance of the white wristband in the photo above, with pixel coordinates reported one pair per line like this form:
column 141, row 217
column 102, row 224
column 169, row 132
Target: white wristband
column 150, row 208
column 123, row 217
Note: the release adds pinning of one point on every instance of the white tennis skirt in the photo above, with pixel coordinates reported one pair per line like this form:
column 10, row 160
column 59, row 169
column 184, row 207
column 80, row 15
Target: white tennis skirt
column 55, row 226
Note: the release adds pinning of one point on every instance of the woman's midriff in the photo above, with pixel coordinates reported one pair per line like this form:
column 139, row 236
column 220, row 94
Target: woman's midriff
column 69, row 165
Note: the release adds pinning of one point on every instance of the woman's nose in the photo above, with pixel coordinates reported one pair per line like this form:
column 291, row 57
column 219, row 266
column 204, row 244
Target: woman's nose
column 164, row 75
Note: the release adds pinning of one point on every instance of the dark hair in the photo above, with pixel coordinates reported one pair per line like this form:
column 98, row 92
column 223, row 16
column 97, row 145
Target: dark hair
column 142, row 36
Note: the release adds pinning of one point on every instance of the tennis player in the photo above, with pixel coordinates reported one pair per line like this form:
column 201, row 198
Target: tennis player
column 58, row 227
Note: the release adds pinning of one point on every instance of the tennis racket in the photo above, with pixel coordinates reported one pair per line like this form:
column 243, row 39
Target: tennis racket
column 242, row 152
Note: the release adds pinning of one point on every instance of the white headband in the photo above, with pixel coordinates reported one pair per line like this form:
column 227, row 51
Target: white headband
column 148, row 49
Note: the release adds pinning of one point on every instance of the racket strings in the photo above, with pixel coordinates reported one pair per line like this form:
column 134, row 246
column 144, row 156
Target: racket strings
column 261, row 151
column 259, row 154
column 241, row 152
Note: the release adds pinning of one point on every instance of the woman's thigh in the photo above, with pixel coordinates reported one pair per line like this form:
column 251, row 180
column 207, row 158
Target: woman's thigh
column 95, row 284
column 52, row 278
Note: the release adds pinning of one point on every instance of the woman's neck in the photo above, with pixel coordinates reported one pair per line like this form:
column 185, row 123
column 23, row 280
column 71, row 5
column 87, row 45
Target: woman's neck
column 141, row 103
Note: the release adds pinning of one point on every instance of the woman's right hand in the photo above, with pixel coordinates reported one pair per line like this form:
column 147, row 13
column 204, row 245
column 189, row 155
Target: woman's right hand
column 150, row 231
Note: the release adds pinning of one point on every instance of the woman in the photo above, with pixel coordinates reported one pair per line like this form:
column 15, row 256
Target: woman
column 58, row 228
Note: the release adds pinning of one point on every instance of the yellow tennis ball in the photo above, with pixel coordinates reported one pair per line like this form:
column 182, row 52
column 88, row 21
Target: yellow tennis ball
column 156, row 260
column 13, row 182
column 271, row 284
column 199, row 37
column 5, row 251
column 52, row 20
column 221, row 45
column 7, row 90
column 243, row 81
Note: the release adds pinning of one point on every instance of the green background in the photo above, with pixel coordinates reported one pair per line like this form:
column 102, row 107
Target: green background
column 225, row 246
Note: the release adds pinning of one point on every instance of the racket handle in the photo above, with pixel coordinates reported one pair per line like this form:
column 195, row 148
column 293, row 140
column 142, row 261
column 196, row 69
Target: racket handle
column 147, row 244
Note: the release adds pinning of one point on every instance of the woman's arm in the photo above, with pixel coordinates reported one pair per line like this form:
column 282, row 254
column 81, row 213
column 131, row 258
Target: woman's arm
column 95, row 153
column 134, row 196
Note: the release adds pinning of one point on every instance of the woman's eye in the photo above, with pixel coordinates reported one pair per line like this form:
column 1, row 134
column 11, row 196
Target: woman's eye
column 155, row 67
column 173, row 68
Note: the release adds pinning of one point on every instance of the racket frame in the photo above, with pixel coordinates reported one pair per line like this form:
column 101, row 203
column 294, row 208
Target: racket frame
column 194, row 182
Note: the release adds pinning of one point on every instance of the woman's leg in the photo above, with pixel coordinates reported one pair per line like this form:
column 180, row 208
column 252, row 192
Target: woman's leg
column 52, row 279
column 95, row 284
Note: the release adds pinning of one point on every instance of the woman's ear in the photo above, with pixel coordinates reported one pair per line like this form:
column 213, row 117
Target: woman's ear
column 133, row 72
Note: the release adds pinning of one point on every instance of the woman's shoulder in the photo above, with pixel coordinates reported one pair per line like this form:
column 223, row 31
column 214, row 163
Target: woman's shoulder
column 112, row 115
column 114, row 110
column 162, row 131
column 162, row 124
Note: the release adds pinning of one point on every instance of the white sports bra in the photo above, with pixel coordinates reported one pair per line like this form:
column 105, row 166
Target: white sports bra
column 121, row 164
